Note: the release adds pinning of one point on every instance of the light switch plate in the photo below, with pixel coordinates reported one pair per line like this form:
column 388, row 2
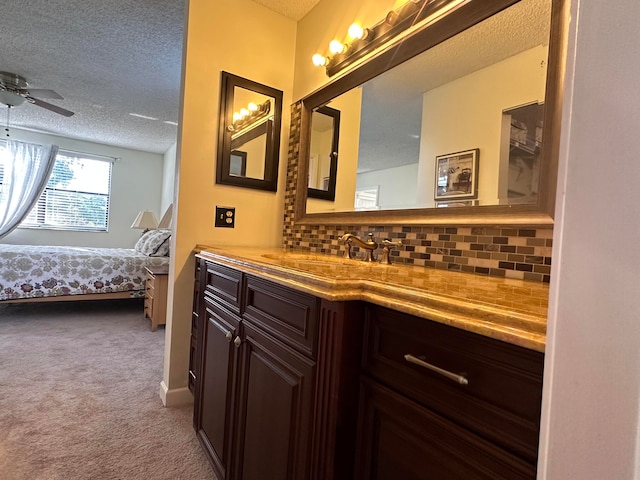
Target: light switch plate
column 225, row 217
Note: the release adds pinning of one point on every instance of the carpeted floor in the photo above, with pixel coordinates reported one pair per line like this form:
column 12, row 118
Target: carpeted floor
column 79, row 397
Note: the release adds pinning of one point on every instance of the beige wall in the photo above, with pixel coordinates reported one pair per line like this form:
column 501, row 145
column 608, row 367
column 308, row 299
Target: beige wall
column 246, row 39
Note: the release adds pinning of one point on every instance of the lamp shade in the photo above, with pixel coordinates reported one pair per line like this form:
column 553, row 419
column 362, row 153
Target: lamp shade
column 145, row 220
column 165, row 221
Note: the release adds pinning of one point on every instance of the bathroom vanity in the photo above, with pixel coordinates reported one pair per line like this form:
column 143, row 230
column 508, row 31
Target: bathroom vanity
column 318, row 367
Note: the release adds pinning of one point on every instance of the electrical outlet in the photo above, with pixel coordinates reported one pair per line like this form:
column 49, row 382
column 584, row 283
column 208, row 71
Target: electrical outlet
column 225, row 217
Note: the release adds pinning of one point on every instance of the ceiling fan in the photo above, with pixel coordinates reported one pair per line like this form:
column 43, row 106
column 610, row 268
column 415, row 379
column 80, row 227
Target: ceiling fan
column 14, row 91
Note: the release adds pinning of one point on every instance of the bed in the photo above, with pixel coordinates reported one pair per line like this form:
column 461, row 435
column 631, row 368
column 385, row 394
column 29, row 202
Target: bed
column 54, row 273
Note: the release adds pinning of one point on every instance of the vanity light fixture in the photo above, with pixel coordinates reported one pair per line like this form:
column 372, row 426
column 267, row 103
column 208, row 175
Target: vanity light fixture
column 356, row 32
column 336, row 47
column 365, row 40
column 249, row 116
column 319, row 60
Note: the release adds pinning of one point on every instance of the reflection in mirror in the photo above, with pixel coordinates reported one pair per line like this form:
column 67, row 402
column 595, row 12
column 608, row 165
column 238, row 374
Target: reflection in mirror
column 238, row 164
column 520, row 153
column 251, row 144
column 323, row 155
column 482, row 90
column 249, row 135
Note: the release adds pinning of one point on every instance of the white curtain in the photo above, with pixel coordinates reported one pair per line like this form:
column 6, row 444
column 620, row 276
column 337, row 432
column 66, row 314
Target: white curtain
column 26, row 170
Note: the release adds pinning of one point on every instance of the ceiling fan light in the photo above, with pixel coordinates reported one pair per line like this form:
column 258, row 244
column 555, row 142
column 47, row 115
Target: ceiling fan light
column 11, row 99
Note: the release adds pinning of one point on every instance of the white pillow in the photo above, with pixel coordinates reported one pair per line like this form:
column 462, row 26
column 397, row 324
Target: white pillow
column 154, row 243
column 140, row 245
column 162, row 249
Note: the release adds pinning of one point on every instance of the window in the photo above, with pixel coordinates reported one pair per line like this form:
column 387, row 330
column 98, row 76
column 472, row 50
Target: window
column 77, row 195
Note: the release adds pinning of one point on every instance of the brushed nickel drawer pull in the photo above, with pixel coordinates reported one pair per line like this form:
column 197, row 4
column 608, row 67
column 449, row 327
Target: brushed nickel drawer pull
column 461, row 379
column 237, row 341
column 228, row 336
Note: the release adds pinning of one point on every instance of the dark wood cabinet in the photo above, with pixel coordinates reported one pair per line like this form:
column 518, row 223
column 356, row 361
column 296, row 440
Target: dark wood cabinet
column 461, row 405
column 275, row 404
column 292, row 387
column 256, row 387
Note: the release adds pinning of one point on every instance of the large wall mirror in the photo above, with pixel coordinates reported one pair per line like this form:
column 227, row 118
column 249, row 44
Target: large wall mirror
column 459, row 122
column 249, row 134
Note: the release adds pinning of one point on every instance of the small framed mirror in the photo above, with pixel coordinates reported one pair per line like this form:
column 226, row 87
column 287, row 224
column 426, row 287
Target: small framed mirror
column 249, row 134
column 323, row 155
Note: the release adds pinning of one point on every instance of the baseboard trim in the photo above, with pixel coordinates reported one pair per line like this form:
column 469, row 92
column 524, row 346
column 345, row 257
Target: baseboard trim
column 178, row 397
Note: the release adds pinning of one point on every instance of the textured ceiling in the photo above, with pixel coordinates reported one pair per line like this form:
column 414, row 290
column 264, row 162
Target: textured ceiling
column 107, row 58
column 294, row 9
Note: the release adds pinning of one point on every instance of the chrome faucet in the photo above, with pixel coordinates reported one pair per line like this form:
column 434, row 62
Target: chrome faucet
column 386, row 249
column 369, row 246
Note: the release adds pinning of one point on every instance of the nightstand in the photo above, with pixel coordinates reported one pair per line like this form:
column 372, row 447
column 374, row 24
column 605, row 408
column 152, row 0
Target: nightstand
column 155, row 295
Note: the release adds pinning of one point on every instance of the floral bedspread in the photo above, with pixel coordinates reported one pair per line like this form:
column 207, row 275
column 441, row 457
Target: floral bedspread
column 30, row 271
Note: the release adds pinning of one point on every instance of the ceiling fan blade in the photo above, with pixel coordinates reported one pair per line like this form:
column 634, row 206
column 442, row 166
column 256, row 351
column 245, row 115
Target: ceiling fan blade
column 48, row 106
column 42, row 93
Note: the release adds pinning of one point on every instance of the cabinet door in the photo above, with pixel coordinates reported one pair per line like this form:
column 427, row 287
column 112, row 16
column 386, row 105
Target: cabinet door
column 276, row 387
column 215, row 401
column 399, row 439
column 196, row 327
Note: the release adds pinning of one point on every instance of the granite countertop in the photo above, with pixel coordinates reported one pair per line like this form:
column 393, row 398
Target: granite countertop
column 513, row 311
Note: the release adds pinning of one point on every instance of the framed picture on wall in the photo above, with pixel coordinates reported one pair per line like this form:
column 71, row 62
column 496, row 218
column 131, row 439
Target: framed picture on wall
column 457, row 175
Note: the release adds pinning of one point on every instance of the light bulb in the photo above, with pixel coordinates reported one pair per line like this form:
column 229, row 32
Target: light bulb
column 356, row 31
column 252, row 107
column 336, row 47
column 319, row 60
column 243, row 112
column 236, row 116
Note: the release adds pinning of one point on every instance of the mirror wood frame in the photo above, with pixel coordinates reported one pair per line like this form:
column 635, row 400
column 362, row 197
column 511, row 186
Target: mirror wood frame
column 271, row 128
column 330, row 192
column 456, row 21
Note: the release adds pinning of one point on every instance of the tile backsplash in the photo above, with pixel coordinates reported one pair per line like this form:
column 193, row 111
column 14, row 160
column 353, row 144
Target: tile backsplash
column 512, row 252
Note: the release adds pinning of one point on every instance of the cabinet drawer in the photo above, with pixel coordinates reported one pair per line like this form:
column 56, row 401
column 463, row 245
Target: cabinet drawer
column 502, row 399
column 288, row 315
column 224, row 284
column 400, row 439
